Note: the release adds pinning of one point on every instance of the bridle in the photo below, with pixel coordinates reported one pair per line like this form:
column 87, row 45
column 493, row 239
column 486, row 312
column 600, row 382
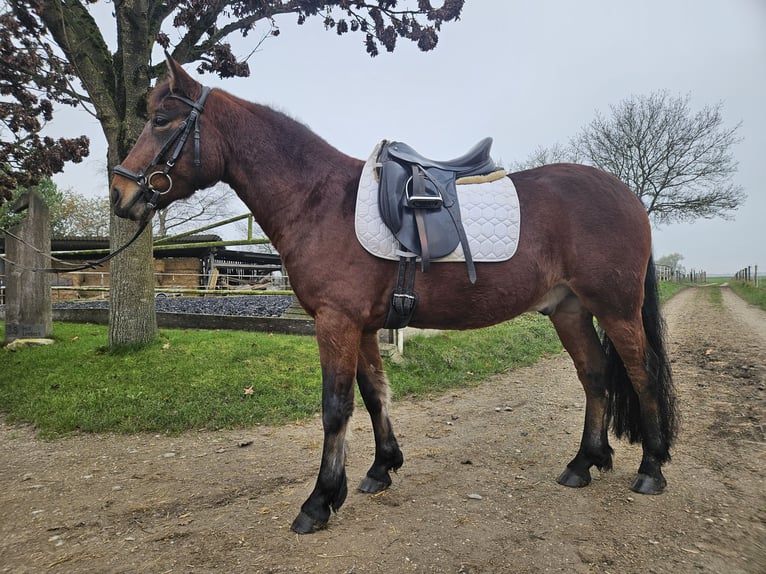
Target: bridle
column 147, row 183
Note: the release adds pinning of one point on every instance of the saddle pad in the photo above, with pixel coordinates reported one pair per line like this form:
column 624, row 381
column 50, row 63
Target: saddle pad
column 490, row 214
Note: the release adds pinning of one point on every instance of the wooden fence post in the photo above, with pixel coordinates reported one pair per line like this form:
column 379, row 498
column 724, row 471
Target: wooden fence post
column 28, row 293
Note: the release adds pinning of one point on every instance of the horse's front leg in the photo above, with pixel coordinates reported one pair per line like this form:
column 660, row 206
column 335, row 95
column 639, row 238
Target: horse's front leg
column 338, row 341
column 373, row 387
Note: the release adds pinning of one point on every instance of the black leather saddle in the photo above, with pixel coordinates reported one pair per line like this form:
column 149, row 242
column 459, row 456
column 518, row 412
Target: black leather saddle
column 418, row 202
column 475, row 161
column 418, row 198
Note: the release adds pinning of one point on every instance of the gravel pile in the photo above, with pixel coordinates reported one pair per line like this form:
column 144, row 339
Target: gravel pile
column 244, row 305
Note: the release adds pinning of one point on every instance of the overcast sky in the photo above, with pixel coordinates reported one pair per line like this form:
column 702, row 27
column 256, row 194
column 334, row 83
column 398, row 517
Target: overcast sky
column 528, row 74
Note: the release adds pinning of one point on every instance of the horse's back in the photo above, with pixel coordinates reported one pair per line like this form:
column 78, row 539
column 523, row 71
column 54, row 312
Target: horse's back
column 581, row 229
column 580, row 187
column 589, row 209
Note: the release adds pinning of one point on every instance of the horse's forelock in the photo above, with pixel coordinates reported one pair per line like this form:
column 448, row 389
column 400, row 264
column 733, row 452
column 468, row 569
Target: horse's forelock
column 158, row 94
column 165, row 88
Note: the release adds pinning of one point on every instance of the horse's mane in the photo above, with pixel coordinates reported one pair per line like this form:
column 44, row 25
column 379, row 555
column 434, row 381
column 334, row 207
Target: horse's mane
column 287, row 123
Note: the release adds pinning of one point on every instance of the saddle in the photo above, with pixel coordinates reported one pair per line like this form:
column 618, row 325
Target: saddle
column 418, row 202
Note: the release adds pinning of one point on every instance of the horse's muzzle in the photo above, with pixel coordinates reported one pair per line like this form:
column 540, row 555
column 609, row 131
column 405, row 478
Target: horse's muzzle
column 134, row 208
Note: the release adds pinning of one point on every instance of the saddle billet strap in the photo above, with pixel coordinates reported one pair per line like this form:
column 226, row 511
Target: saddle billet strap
column 404, row 299
column 454, row 212
column 414, row 200
column 420, row 191
column 425, row 255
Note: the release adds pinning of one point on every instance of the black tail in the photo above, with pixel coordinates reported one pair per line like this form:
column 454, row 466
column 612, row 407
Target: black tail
column 624, row 410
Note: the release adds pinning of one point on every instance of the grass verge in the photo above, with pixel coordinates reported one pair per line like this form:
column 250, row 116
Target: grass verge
column 191, row 379
column 196, row 379
column 750, row 293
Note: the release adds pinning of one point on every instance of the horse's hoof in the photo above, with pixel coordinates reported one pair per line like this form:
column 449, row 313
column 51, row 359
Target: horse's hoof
column 304, row 524
column 645, row 484
column 371, row 485
column 573, row 480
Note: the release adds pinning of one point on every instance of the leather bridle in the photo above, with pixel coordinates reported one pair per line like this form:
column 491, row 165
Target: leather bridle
column 147, row 183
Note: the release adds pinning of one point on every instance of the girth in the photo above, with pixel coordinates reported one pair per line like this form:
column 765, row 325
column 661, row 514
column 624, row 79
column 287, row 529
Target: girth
column 418, row 202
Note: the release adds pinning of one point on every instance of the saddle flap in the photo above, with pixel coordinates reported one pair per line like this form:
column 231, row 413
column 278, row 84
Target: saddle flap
column 392, row 193
column 406, row 188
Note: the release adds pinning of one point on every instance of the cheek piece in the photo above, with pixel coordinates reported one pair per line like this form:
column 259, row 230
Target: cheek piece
column 148, row 190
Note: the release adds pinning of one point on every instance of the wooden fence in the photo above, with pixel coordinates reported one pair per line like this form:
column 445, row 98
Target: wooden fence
column 666, row 273
column 748, row 274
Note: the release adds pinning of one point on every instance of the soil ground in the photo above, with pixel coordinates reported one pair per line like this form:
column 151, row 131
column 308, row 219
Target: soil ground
column 477, row 492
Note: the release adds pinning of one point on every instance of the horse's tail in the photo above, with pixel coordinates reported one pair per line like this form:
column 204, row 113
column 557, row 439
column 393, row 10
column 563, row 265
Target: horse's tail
column 623, row 408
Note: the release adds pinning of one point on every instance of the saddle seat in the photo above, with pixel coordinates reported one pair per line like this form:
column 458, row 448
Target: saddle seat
column 475, row 161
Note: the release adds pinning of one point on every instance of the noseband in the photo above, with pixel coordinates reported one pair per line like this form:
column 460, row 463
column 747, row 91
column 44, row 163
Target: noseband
column 147, row 189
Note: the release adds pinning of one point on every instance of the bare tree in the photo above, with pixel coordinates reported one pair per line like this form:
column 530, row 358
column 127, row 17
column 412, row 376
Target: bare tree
column 673, row 260
column 557, row 153
column 197, row 210
column 678, row 162
column 81, row 216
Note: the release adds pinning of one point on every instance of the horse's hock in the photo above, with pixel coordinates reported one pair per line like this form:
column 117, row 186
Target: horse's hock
column 28, row 294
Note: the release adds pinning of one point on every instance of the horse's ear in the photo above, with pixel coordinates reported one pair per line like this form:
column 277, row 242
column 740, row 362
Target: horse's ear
column 180, row 81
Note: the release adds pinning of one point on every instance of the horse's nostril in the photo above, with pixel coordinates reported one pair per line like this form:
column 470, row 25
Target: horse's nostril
column 115, row 195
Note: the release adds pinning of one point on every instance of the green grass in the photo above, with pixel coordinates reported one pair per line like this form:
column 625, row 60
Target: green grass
column 185, row 380
column 194, row 379
column 750, row 293
column 669, row 288
column 455, row 358
column 715, row 296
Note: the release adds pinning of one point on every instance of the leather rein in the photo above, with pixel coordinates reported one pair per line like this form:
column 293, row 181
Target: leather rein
column 146, row 184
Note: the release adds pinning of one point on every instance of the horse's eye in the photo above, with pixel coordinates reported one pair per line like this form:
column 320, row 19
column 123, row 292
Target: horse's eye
column 160, row 121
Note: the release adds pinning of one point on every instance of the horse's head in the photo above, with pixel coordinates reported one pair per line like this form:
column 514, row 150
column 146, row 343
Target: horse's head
column 175, row 154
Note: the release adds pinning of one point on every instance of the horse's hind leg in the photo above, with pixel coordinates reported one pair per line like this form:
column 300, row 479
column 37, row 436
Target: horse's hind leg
column 574, row 325
column 643, row 399
column 373, row 387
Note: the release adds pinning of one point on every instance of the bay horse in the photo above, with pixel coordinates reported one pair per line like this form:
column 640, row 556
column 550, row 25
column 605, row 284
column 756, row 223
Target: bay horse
column 584, row 252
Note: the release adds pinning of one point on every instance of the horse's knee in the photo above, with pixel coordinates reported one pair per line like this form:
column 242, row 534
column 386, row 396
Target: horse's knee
column 336, row 410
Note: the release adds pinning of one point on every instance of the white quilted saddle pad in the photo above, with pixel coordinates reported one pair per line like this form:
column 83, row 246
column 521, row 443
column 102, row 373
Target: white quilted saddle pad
column 490, row 214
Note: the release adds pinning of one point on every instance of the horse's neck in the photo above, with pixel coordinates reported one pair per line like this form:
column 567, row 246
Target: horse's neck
column 291, row 179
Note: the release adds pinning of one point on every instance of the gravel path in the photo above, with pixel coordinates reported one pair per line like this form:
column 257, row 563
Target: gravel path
column 244, row 305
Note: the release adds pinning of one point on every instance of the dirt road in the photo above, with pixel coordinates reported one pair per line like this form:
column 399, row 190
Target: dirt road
column 477, row 493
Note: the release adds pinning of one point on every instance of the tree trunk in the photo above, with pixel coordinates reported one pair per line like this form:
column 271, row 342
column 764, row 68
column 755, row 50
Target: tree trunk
column 117, row 85
column 132, row 316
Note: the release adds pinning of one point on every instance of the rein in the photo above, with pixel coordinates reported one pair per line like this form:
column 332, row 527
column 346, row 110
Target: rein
column 87, row 265
column 147, row 189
